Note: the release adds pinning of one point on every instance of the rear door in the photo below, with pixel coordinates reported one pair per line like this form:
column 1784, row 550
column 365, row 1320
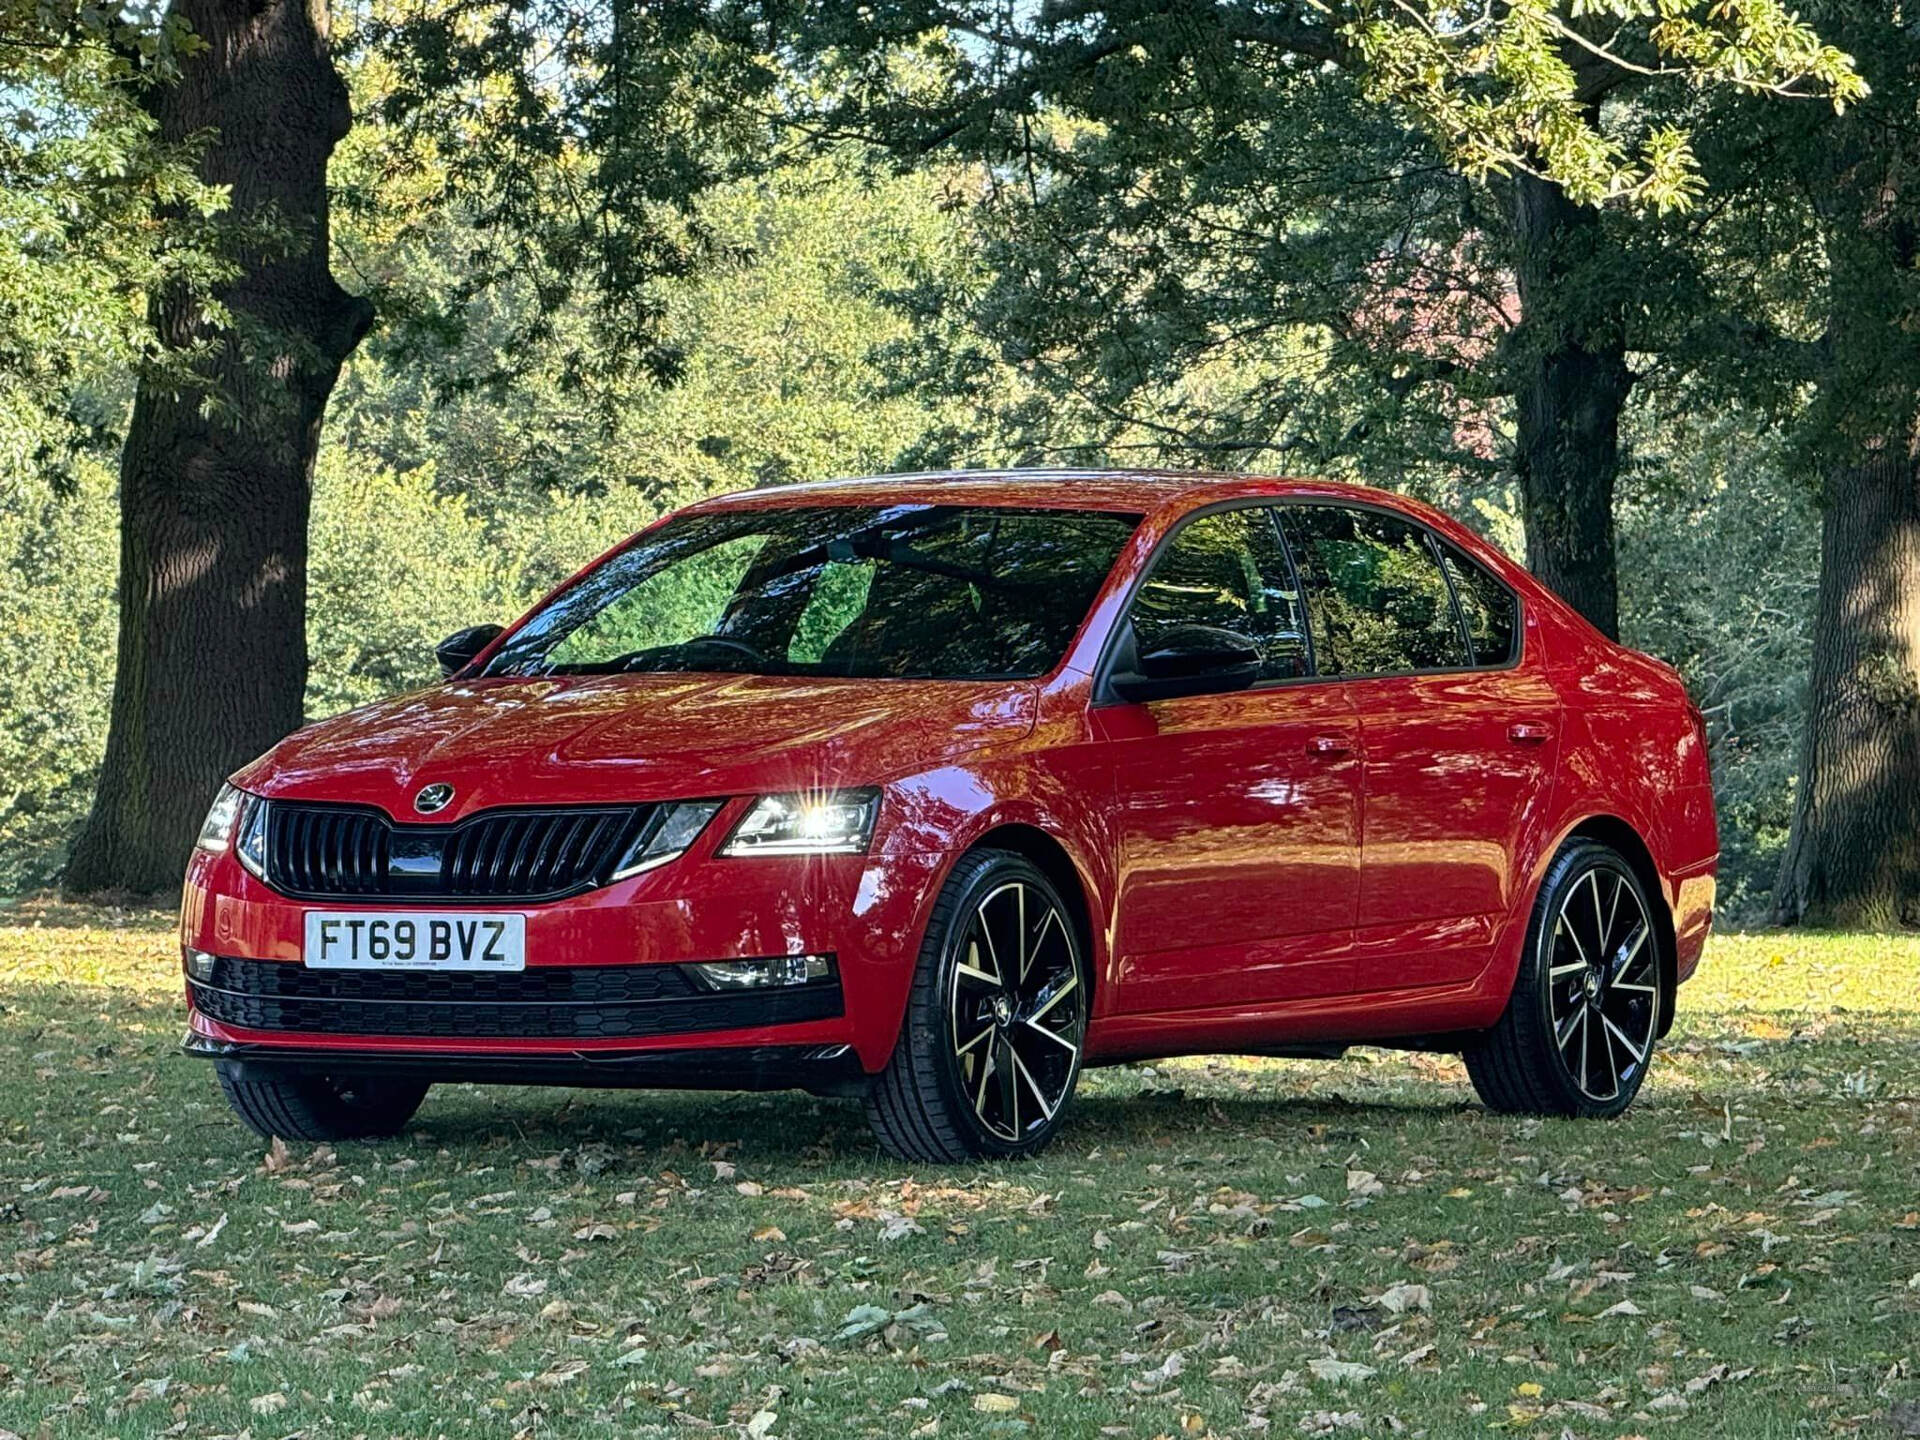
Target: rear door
column 1237, row 815
column 1459, row 734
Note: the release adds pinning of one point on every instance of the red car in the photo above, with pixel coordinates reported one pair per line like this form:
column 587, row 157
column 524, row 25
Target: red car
column 933, row 790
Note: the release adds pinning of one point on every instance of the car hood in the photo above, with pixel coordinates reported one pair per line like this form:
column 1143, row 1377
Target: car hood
column 583, row 740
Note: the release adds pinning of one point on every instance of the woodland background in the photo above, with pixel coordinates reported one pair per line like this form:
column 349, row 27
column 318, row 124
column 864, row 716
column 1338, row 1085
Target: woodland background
column 579, row 266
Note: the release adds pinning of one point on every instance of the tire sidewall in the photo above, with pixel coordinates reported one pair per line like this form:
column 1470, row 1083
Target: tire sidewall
column 979, row 876
column 1569, row 870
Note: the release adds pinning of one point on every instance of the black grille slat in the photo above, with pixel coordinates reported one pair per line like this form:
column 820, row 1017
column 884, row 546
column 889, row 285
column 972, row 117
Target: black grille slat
column 544, row 856
column 576, row 843
column 332, row 851
column 518, row 870
column 496, row 842
column 554, row 1002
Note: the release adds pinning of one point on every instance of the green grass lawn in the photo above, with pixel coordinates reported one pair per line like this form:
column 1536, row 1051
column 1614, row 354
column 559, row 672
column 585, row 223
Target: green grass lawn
column 1214, row 1248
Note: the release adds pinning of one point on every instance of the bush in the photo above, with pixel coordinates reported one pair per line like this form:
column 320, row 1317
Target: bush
column 58, row 618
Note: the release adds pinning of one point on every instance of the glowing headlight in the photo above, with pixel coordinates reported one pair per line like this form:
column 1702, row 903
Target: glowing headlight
column 666, row 837
column 839, row 823
column 216, row 833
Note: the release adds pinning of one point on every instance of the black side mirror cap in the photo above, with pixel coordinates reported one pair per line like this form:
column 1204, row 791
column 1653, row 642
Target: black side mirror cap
column 1190, row 660
column 463, row 647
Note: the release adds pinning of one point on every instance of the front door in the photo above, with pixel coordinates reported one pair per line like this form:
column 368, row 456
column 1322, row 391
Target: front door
column 1237, row 816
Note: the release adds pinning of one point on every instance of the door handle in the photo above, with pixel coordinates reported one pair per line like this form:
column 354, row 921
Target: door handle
column 1329, row 745
column 1529, row 732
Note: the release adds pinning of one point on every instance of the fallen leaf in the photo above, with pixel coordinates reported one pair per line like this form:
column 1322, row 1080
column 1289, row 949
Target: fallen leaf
column 564, row 1372
column 1339, row 1372
column 1399, row 1299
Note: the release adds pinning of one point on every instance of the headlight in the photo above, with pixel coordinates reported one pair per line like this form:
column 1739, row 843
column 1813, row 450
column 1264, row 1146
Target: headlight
column 237, row 822
column 250, row 844
column 216, row 834
column 666, row 836
column 839, row 823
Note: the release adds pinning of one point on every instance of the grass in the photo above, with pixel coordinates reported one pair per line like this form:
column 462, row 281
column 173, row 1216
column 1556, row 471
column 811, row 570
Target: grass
column 1214, row 1248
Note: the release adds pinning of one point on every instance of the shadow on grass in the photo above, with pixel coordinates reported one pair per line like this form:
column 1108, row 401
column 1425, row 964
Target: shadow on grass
column 792, row 1128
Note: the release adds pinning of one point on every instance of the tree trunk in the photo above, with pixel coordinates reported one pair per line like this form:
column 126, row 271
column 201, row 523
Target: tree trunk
column 1571, row 383
column 1853, row 856
column 216, row 482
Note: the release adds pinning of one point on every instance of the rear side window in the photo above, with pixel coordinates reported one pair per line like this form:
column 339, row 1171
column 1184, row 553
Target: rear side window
column 1227, row 570
column 1378, row 599
column 1488, row 607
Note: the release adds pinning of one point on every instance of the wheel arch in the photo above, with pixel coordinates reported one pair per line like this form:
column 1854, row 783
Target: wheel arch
column 1618, row 835
column 1047, row 854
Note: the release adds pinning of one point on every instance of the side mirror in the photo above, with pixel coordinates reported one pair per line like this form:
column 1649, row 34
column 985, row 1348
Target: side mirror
column 1189, row 660
column 463, row 647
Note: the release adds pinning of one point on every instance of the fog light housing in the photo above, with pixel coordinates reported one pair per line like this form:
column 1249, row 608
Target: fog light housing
column 776, row 973
column 197, row 963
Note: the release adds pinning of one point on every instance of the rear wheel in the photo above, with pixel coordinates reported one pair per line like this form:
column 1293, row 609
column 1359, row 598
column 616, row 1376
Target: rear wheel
column 989, row 1051
column 1579, row 1029
column 302, row 1105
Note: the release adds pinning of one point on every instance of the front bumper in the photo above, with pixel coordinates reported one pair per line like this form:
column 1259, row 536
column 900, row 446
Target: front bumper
column 866, row 911
column 821, row 1069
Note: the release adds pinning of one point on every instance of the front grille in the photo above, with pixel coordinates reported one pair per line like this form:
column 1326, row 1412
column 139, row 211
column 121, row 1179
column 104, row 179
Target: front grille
column 341, row 852
column 586, row 1002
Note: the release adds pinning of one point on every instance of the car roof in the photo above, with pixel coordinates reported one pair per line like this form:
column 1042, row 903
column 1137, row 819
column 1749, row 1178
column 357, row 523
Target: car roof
column 1132, row 491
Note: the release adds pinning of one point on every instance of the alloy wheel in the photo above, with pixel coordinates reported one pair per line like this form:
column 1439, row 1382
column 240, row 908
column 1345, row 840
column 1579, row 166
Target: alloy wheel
column 1603, row 984
column 1016, row 1011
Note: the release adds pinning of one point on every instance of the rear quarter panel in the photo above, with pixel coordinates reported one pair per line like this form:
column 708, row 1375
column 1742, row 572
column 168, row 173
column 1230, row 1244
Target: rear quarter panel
column 1635, row 750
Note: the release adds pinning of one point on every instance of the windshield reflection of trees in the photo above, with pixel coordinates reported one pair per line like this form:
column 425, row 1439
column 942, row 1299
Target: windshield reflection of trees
column 906, row 591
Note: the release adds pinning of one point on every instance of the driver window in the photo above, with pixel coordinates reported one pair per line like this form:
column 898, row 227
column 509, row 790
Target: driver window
column 1227, row 570
column 683, row 602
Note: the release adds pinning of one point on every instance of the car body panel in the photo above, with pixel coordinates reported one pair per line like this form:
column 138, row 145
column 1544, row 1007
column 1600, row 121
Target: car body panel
column 1241, row 890
column 1241, row 809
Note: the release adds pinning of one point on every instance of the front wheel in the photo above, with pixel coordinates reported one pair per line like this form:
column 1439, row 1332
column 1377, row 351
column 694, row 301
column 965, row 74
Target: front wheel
column 1579, row 1029
column 301, row 1105
column 989, row 1051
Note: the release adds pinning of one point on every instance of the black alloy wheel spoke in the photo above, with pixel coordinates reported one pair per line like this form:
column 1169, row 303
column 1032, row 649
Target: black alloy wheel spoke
column 1016, row 1011
column 1603, row 984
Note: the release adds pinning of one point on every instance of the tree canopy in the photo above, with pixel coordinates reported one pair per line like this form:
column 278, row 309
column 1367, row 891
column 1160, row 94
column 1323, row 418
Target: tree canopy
column 1627, row 282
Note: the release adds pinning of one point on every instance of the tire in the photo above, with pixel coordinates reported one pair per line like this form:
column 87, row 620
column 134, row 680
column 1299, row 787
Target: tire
column 941, row 1098
column 303, row 1105
column 1579, row 1029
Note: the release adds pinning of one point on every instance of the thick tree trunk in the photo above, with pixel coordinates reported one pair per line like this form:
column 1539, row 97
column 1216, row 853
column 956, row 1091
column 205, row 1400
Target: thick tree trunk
column 215, row 486
column 1853, row 854
column 1571, row 383
column 1853, row 857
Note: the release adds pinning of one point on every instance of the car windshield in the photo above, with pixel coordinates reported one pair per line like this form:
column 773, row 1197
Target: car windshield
column 898, row 591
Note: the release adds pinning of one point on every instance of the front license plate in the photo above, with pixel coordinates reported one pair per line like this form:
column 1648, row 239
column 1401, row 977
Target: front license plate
column 349, row 940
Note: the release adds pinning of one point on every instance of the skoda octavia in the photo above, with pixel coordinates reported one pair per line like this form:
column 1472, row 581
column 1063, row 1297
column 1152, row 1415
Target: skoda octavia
column 935, row 790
